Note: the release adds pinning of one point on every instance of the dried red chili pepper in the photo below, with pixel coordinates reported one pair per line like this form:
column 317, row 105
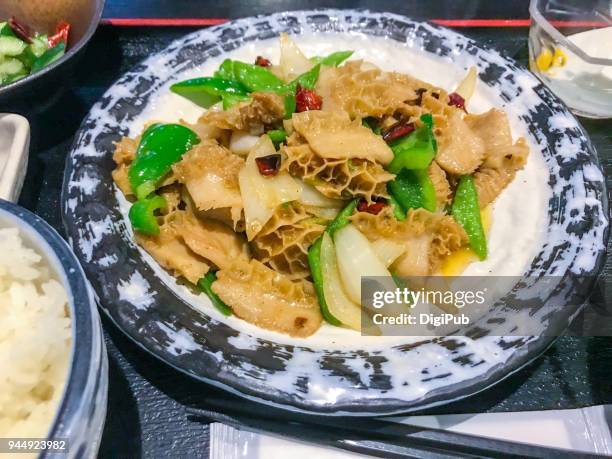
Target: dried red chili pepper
column 20, row 29
column 374, row 208
column 306, row 99
column 456, row 100
column 399, row 129
column 268, row 165
column 61, row 34
column 263, row 62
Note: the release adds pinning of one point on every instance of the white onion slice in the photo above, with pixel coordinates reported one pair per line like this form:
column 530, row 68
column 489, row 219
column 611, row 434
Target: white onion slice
column 312, row 197
column 387, row 250
column 242, row 142
column 468, row 85
column 262, row 195
column 356, row 259
column 292, row 60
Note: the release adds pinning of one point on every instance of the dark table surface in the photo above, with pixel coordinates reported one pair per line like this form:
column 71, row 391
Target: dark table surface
column 147, row 399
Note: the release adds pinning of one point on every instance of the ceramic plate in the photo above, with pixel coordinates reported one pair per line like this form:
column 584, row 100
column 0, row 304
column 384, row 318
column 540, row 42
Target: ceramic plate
column 338, row 378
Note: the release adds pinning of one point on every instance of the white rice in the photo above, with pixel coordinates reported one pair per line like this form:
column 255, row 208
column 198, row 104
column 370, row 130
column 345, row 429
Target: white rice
column 35, row 338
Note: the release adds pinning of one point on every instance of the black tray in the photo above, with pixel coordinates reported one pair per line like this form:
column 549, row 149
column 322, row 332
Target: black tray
column 147, row 400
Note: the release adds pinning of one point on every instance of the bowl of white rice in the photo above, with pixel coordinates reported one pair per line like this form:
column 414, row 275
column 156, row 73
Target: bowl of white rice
column 53, row 364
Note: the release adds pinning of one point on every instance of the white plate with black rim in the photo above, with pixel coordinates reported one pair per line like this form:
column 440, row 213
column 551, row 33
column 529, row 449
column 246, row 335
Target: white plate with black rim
column 333, row 372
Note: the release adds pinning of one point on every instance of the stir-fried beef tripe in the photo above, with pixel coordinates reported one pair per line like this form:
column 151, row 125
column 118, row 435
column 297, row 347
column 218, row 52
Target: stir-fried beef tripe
column 264, row 109
column 210, row 239
column 426, row 237
column 334, row 135
column 361, row 90
column 340, row 178
column 260, row 295
column 172, row 253
column 304, row 176
column 284, row 241
column 125, row 151
column 441, row 186
column 209, row 173
column 461, row 152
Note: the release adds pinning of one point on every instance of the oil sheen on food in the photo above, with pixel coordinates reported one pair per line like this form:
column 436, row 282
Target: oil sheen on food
column 519, row 215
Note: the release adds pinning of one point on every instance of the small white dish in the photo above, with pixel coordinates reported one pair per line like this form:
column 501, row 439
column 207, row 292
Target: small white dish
column 14, row 148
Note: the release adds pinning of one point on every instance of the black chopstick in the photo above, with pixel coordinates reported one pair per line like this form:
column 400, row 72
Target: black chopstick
column 361, row 434
column 317, row 435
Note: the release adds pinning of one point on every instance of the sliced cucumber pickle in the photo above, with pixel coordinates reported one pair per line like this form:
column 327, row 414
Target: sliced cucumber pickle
column 11, row 46
column 9, row 67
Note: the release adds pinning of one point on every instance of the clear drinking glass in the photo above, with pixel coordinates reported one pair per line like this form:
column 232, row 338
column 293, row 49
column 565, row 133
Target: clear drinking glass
column 570, row 49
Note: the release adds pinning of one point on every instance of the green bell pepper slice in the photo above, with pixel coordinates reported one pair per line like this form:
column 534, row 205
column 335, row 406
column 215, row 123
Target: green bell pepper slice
column 158, row 150
column 252, row 77
column 142, row 214
column 256, row 78
column 427, row 120
column 314, row 261
column 205, row 284
column 398, row 212
column 207, row 91
column 49, row 56
column 290, row 105
column 416, row 150
column 342, row 219
column 142, row 145
column 465, row 209
column 226, row 70
column 277, row 136
column 314, row 258
column 229, row 100
column 413, row 189
column 333, row 59
column 305, row 80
